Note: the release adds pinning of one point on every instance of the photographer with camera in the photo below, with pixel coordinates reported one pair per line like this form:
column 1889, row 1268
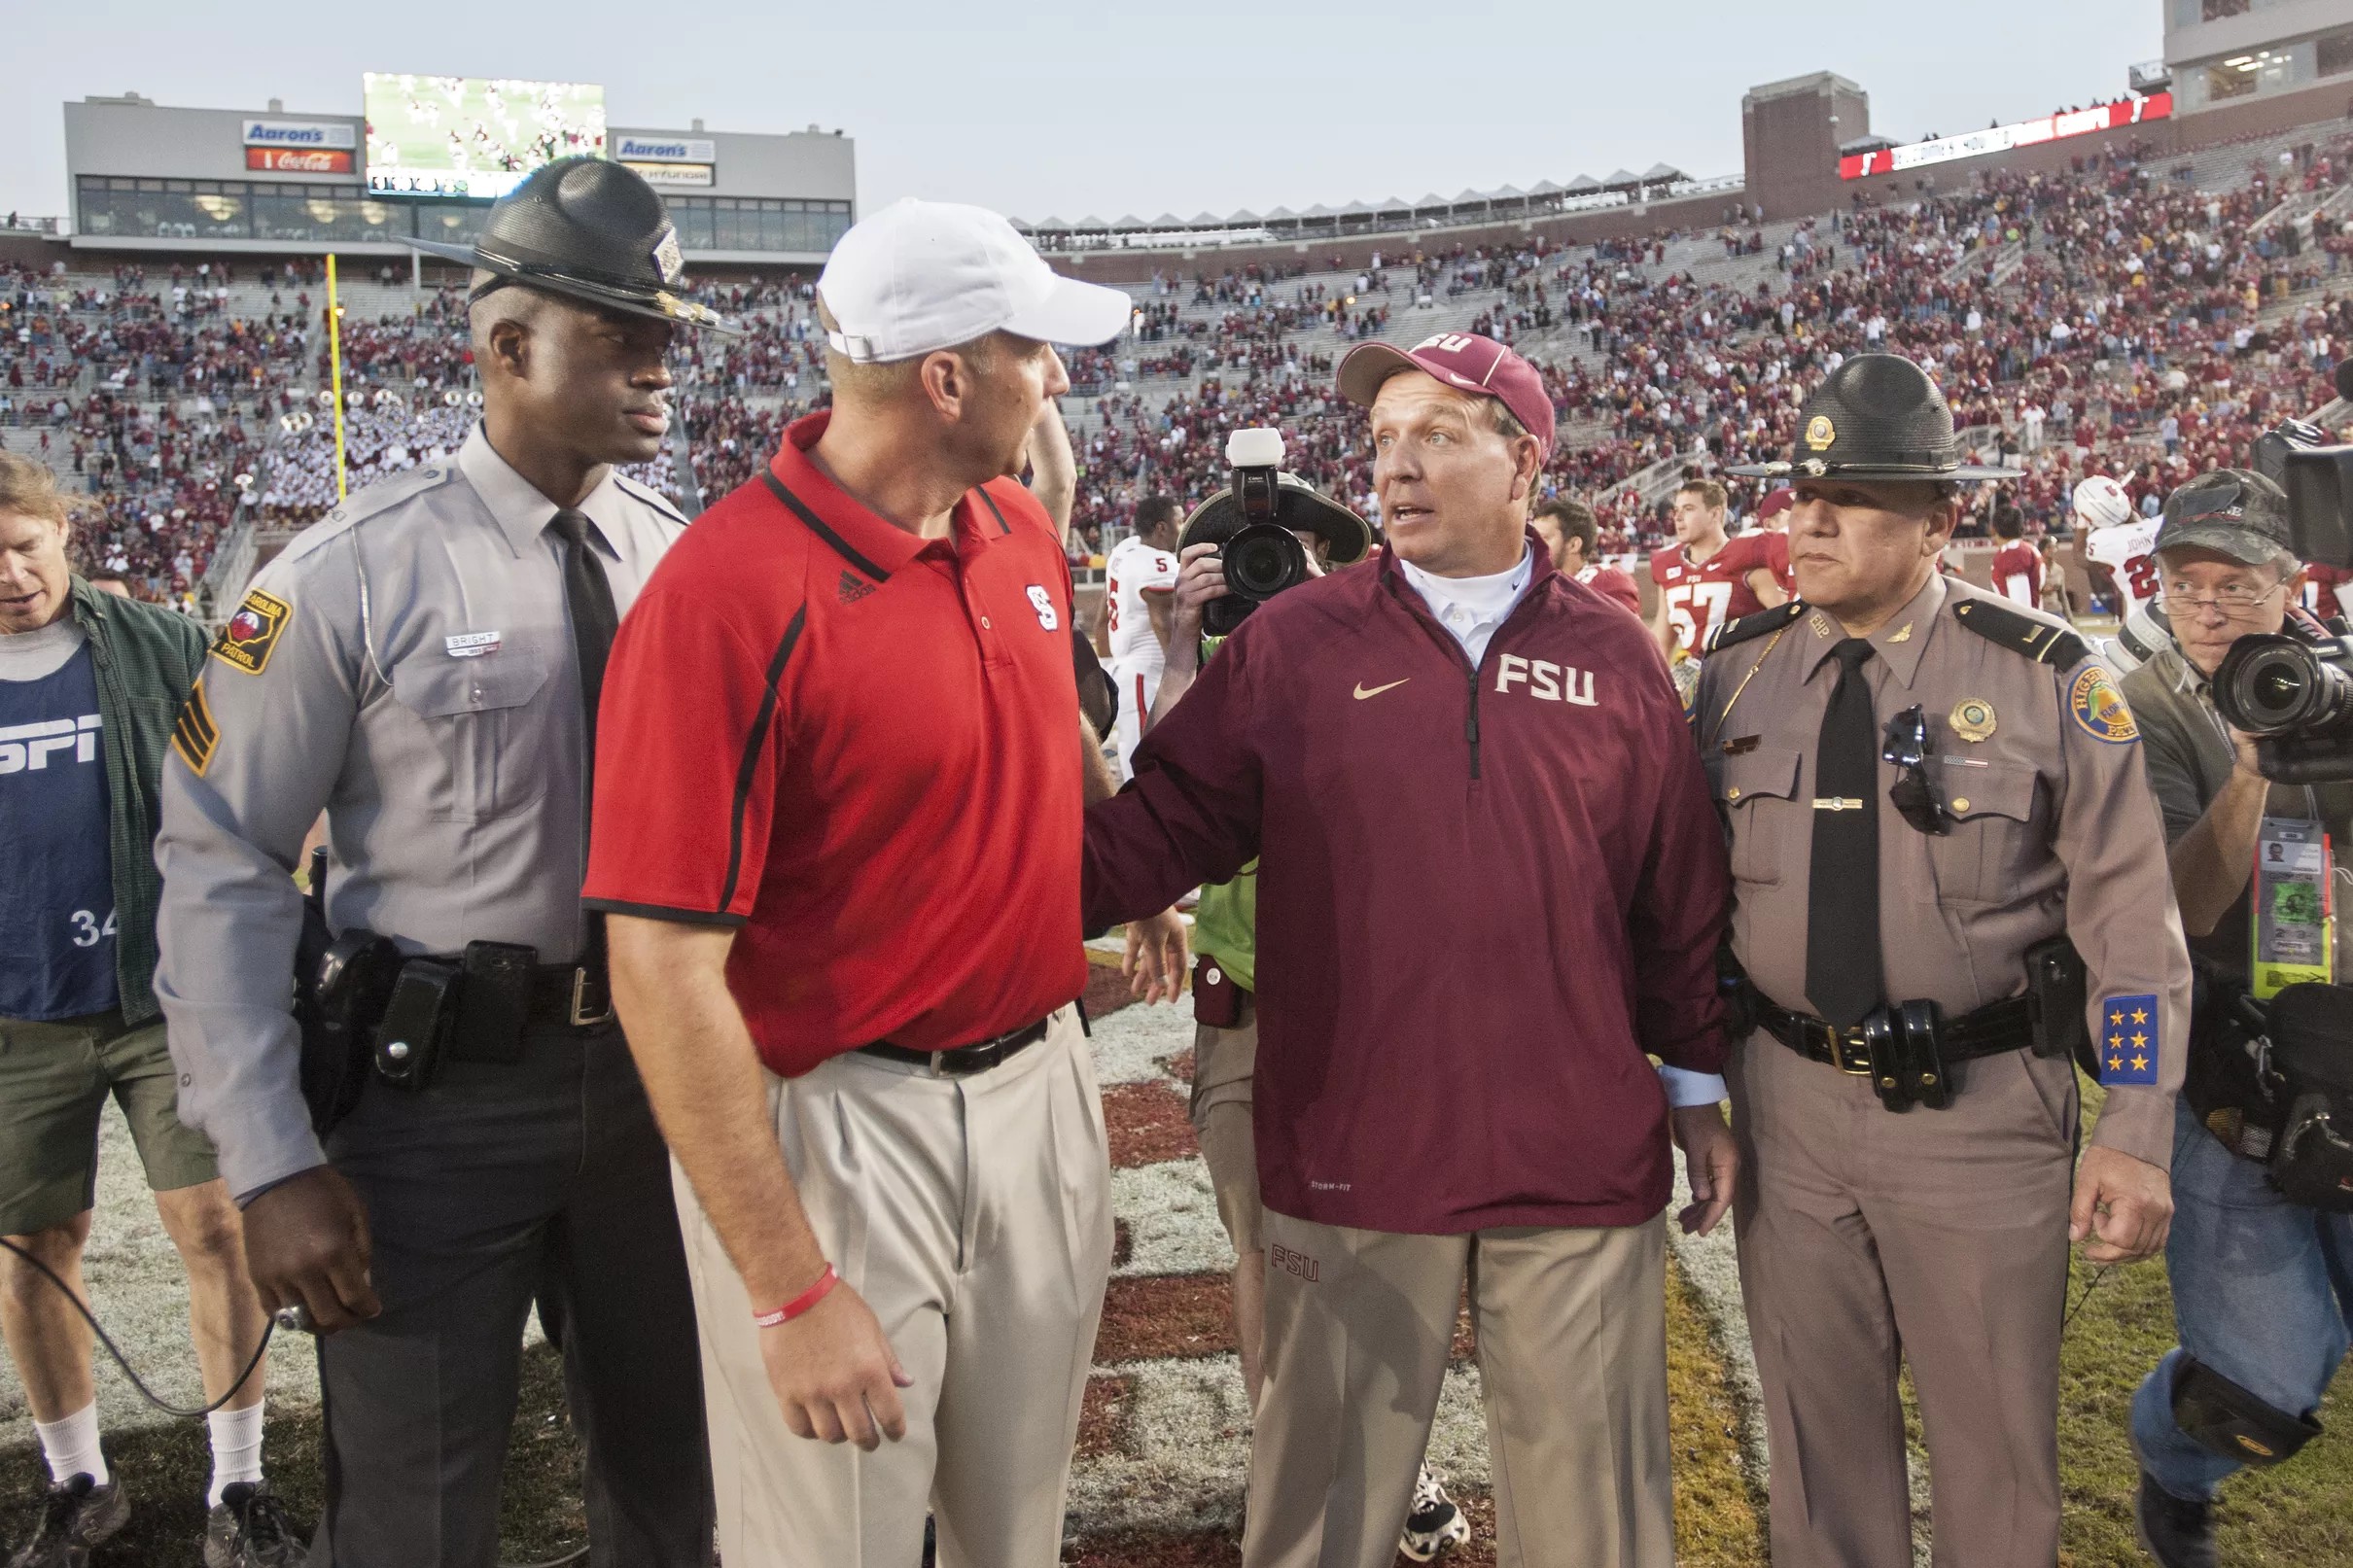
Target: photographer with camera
column 1490, row 882
column 2261, row 1284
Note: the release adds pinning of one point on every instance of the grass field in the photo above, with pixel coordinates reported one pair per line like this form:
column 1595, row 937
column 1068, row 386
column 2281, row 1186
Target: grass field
column 2300, row 1515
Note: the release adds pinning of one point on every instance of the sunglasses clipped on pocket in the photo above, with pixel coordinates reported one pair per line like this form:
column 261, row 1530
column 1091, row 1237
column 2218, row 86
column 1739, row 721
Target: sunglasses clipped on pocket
column 1904, row 745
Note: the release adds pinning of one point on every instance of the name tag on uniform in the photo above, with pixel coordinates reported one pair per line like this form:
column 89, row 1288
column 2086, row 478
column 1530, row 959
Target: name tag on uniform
column 471, row 645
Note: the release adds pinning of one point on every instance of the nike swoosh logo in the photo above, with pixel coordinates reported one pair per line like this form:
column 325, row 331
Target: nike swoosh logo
column 1362, row 693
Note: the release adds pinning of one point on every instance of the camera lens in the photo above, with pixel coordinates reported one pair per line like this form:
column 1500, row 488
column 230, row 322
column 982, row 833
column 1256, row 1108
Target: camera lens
column 2270, row 685
column 1263, row 559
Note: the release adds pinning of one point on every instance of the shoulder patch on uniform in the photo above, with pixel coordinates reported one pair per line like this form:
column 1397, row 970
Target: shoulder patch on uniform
column 194, row 734
column 1733, row 632
column 252, row 634
column 653, row 498
column 2100, row 708
column 2046, row 642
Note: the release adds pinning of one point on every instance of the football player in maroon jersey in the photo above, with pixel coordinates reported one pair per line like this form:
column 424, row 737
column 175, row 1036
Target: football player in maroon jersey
column 1706, row 578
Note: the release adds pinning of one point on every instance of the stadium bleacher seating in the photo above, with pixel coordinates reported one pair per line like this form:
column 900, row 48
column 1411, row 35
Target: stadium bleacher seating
column 2066, row 315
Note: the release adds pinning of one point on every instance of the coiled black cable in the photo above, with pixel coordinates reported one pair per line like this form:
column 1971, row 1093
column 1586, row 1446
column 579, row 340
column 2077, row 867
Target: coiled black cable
column 268, row 1331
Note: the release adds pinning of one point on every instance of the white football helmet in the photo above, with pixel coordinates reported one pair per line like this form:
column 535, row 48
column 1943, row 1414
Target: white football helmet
column 2102, row 502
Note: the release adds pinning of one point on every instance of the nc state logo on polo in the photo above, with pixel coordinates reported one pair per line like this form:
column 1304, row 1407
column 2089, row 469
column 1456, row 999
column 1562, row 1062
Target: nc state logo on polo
column 1043, row 603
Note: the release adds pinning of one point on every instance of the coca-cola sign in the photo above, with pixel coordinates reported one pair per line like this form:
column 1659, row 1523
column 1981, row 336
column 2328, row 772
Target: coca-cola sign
column 297, row 160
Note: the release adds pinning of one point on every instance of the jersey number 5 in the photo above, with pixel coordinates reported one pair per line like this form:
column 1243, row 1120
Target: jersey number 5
column 1709, row 599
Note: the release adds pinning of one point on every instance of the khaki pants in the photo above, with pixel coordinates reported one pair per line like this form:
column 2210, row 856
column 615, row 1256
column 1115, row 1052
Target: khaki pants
column 1572, row 1352
column 973, row 1215
column 1224, row 1061
column 1869, row 1240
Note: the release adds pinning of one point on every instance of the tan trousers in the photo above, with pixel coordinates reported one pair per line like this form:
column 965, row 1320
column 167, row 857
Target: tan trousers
column 1936, row 1237
column 1223, row 1060
column 1573, row 1353
column 973, row 1215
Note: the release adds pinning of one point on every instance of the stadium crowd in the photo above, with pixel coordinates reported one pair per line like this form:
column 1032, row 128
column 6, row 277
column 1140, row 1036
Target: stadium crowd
column 2111, row 319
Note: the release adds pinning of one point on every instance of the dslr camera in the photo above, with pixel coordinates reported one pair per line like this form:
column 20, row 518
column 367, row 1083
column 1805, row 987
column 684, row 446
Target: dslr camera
column 1255, row 523
column 2293, row 689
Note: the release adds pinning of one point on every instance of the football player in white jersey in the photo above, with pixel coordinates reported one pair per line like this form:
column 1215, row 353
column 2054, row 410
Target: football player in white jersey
column 1139, row 588
column 2120, row 538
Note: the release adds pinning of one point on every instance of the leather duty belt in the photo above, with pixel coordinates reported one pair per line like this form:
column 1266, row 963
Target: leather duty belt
column 1989, row 1032
column 965, row 1060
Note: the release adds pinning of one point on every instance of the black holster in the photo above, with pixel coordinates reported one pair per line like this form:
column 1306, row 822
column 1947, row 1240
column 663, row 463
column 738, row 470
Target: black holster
column 342, row 985
column 2061, row 988
column 365, row 1011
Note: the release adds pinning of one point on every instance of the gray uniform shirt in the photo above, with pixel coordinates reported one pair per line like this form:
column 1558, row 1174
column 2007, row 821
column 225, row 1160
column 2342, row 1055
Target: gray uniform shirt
column 406, row 665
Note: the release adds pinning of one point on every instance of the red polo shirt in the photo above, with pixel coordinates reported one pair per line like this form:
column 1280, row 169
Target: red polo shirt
column 861, row 747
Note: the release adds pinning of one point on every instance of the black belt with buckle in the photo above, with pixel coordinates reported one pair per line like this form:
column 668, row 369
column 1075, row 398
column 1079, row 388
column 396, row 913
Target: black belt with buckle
column 571, row 994
column 1905, row 1050
column 965, row 1060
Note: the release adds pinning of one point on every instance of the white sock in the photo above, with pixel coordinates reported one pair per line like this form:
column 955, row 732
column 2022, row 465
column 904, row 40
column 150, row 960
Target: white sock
column 237, row 1448
column 71, row 1446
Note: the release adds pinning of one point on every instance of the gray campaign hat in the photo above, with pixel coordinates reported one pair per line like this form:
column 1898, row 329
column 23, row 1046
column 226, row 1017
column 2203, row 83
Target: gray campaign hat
column 2233, row 511
column 1877, row 416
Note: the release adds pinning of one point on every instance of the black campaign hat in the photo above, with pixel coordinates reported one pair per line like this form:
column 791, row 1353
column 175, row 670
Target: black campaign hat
column 590, row 230
column 1878, row 416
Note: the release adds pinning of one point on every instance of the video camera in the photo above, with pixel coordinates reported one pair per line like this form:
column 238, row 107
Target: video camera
column 2293, row 690
column 1255, row 524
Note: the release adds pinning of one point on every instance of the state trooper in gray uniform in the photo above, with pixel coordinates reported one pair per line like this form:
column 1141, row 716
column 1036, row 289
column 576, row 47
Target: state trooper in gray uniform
column 424, row 666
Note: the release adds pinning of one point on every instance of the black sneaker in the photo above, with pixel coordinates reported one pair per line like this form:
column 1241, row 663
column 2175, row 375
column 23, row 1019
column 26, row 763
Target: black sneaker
column 248, row 1528
column 2178, row 1534
column 76, row 1515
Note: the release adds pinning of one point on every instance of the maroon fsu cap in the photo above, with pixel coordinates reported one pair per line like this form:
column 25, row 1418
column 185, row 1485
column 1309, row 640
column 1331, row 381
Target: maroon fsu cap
column 1463, row 360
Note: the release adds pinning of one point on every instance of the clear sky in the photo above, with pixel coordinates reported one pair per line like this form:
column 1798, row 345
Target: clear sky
column 1067, row 108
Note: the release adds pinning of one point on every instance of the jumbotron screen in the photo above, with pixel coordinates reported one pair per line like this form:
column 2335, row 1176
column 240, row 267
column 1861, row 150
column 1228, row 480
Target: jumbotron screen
column 474, row 136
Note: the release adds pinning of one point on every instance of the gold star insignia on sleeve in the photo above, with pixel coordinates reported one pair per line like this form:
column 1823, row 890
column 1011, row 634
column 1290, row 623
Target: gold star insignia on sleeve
column 2140, row 1063
column 2139, row 1016
column 2139, row 1040
column 2116, row 1018
column 2116, row 1064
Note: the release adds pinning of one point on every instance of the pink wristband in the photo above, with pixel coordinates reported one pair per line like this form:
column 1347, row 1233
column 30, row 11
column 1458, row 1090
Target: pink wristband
column 801, row 1303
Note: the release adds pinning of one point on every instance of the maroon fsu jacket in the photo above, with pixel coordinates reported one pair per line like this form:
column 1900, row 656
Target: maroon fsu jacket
column 1482, row 894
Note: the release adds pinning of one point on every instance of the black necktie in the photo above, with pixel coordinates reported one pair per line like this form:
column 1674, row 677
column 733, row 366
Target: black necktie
column 588, row 598
column 589, row 602
column 1842, row 972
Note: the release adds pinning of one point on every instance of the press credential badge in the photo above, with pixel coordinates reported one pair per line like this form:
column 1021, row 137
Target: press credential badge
column 2294, row 918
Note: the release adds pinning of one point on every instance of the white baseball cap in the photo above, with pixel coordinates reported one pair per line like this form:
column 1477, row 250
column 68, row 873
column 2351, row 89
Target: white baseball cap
column 919, row 276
